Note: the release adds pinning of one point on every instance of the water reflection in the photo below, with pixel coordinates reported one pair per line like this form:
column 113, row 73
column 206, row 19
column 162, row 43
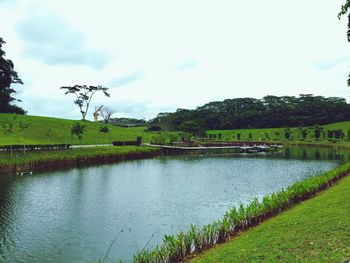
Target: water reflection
column 73, row 216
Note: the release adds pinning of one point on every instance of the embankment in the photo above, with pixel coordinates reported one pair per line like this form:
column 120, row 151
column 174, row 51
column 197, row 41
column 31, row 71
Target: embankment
column 57, row 160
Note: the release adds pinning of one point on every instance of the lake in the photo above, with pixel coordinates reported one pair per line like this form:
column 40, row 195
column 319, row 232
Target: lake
column 74, row 215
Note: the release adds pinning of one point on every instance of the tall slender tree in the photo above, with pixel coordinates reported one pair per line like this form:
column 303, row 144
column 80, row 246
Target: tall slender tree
column 84, row 95
column 8, row 76
column 344, row 10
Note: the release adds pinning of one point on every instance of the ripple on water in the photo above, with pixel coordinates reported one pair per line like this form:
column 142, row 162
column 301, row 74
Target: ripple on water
column 73, row 216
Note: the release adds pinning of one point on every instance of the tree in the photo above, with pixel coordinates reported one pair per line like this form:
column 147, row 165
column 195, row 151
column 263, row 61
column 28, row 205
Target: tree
column 194, row 127
column 23, row 125
column 8, row 129
column 287, row 133
column 344, row 10
column 107, row 113
column 84, row 95
column 8, row 76
column 78, row 129
column 303, row 132
column 317, row 132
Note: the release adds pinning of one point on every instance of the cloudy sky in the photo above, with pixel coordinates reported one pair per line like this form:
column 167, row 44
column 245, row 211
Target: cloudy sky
column 159, row 55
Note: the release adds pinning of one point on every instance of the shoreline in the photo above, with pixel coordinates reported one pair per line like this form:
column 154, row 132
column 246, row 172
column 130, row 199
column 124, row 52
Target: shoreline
column 63, row 161
column 187, row 245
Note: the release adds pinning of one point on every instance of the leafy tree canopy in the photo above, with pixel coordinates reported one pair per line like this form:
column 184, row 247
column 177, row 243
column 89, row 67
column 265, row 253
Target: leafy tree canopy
column 84, row 94
column 344, row 10
column 8, row 76
column 270, row 111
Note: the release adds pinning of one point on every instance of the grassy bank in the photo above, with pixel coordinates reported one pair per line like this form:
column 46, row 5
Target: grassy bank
column 45, row 130
column 314, row 231
column 177, row 248
column 49, row 160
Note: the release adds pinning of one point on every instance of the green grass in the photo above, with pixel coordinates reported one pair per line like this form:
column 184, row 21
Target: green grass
column 45, row 130
column 314, row 231
column 277, row 134
column 46, row 156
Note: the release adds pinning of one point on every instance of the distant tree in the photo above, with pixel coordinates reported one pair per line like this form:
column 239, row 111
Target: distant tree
column 219, row 136
column 348, row 137
column 330, row 134
column 193, row 127
column 187, row 137
column 287, row 133
column 107, row 113
column 23, row 126
column 317, row 132
column 303, row 133
column 339, row 134
column 84, row 95
column 78, row 129
column 8, row 76
column 160, row 139
column 239, row 136
column 154, row 128
column 104, row 129
column 250, row 136
column 277, row 135
column 172, row 138
column 7, row 128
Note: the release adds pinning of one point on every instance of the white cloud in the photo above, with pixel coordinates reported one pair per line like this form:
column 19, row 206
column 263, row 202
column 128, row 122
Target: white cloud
column 164, row 54
column 48, row 38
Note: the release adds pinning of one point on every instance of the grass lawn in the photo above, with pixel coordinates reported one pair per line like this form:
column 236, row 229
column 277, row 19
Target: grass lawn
column 318, row 230
column 46, row 130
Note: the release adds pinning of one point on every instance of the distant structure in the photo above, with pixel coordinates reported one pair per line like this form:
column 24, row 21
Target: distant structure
column 97, row 112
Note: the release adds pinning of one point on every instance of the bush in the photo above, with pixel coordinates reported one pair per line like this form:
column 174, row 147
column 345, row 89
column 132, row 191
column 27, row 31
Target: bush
column 154, row 128
column 104, row 129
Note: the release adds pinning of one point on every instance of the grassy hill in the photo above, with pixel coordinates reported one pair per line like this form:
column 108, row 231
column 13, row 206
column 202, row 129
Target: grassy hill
column 45, row 130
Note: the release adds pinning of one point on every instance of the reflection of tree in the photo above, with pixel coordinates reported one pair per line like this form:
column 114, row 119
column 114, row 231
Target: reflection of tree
column 7, row 203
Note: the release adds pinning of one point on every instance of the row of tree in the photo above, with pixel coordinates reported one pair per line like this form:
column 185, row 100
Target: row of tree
column 270, row 111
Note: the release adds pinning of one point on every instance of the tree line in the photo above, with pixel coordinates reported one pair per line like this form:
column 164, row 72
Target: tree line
column 268, row 112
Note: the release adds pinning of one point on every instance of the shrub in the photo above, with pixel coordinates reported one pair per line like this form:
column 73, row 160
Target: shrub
column 104, row 129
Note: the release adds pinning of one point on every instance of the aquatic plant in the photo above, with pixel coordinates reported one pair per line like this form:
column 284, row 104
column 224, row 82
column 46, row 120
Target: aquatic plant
column 176, row 248
column 46, row 160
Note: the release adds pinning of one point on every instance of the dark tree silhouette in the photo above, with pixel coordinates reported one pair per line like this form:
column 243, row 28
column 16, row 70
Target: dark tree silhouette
column 344, row 10
column 84, row 95
column 8, row 76
column 271, row 111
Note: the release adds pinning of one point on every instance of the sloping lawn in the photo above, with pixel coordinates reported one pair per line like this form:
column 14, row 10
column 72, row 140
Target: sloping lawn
column 317, row 230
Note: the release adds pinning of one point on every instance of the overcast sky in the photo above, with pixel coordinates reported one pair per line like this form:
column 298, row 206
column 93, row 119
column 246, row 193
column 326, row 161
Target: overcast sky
column 160, row 55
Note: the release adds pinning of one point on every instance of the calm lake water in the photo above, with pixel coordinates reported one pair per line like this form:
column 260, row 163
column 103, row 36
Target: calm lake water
column 74, row 215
